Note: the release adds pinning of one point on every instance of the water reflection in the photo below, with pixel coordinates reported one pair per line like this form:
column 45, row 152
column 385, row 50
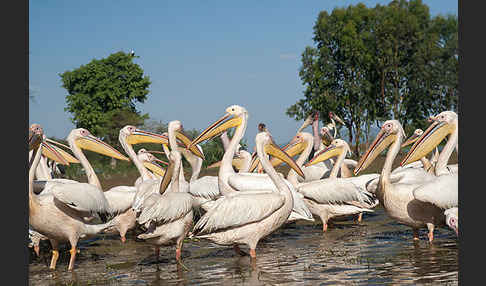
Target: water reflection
column 377, row 251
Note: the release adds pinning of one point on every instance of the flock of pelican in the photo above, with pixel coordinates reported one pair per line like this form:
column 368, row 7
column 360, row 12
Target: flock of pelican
column 248, row 199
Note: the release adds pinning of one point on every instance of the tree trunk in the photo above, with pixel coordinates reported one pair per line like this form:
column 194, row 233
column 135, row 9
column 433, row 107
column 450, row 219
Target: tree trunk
column 358, row 132
column 350, row 131
column 367, row 133
column 383, row 86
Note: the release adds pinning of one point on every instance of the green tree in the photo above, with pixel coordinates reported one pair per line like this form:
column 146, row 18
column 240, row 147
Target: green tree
column 102, row 94
column 372, row 64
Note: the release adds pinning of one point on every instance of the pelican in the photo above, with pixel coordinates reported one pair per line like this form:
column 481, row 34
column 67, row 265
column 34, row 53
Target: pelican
column 148, row 187
column 147, row 159
column 59, row 215
column 42, row 171
column 205, row 189
column 79, row 139
column 333, row 196
column 247, row 217
column 443, row 190
column 170, row 217
column 130, row 135
column 230, row 182
column 120, row 198
column 397, row 198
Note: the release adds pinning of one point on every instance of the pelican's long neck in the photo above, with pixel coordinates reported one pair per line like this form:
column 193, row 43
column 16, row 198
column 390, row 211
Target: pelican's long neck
column 445, row 154
column 144, row 173
column 337, row 164
column 390, row 157
column 292, row 175
column 78, row 153
column 270, row 171
column 178, row 173
column 226, row 167
column 194, row 161
column 42, row 171
column 33, row 201
column 315, row 133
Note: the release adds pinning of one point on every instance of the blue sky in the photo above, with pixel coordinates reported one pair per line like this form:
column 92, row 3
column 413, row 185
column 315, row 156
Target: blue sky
column 201, row 56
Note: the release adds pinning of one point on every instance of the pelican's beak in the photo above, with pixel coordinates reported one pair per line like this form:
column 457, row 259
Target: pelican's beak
column 187, row 143
column 161, row 161
column 273, row 150
column 295, row 147
column 308, row 121
column 68, row 157
column 167, row 178
column 431, row 137
column 381, row 142
column 329, row 152
column 410, row 140
column 50, row 152
column 157, row 152
column 217, row 128
column 141, row 136
column 255, row 161
column 156, row 168
column 94, row 144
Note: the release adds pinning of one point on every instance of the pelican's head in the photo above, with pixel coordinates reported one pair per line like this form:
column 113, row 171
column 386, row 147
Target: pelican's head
column 151, row 162
column 336, row 148
column 236, row 110
column 298, row 143
column 415, row 136
column 296, row 146
column 233, row 118
column 85, row 140
column 389, row 132
column 38, row 139
column 176, row 127
column 266, row 146
column 443, row 124
column 132, row 135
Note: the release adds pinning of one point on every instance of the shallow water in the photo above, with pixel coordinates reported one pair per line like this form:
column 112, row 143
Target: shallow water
column 375, row 251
